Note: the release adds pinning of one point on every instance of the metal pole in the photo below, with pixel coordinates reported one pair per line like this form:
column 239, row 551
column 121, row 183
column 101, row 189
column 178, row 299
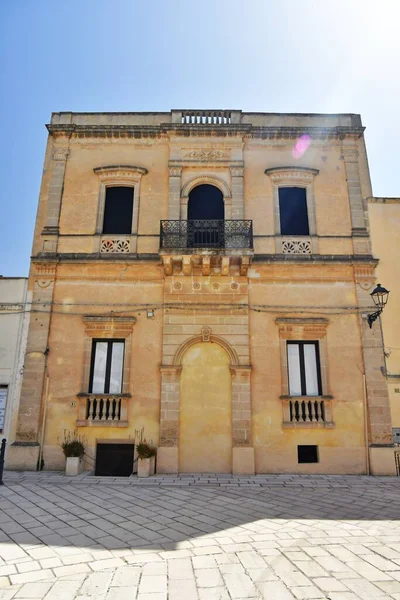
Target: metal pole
column 2, row 454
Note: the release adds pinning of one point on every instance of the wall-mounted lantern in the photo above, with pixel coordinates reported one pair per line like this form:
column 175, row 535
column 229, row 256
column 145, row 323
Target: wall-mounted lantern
column 380, row 297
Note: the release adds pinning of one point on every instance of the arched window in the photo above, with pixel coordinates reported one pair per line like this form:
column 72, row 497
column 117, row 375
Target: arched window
column 205, row 202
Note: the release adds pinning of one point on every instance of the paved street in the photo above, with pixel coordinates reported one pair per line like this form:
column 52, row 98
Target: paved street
column 204, row 538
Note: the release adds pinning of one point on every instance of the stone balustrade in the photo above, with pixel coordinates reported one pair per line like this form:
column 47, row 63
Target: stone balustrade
column 307, row 411
column 103, row 410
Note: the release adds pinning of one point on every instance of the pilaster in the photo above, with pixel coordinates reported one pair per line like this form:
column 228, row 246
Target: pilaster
column 23, row 454
column 379, row 423
column 359, row 220
column 237, row 177
column 51, row 228
column 174, row 192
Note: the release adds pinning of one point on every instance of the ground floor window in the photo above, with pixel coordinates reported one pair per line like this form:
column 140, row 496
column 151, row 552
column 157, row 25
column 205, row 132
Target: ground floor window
column 3, row 402
column 307, row 454
column 106, row 367
column 304, row 369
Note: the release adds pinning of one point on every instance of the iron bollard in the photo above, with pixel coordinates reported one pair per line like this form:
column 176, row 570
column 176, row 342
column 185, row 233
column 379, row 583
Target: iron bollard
column 2, row 454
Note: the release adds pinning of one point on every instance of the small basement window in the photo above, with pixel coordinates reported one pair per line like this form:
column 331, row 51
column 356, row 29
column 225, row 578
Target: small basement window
column 307, row 454
column 293, row 211
column 118, row 210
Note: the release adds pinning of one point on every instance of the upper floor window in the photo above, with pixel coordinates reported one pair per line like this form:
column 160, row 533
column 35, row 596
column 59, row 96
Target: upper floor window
column 304, row 369
column 106, row 372
column 118, row 210
column 293, row 211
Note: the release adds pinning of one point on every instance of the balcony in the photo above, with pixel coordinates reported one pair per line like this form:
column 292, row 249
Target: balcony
column 102, row 410
column 307, row 411
column 209, row 244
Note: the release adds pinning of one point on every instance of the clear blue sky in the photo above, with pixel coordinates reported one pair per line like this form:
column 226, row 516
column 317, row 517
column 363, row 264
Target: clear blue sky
column 126, row 55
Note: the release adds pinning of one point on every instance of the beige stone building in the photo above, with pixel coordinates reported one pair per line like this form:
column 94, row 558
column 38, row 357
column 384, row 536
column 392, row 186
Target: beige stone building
column 205, row 276
column 14, row 321
column 384, row 216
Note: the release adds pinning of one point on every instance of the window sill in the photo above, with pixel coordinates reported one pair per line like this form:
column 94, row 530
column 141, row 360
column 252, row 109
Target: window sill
column 308, row 425
column 98, row 423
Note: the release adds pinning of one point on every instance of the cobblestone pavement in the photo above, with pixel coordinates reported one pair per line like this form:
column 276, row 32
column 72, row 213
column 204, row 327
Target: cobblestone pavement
column 199, row 537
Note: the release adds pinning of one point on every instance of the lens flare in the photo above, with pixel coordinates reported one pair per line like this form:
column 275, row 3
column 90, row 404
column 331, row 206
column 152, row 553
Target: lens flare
column 301, row 146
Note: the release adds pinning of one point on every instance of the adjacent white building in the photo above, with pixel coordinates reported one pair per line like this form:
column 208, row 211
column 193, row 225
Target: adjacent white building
column 14, row 320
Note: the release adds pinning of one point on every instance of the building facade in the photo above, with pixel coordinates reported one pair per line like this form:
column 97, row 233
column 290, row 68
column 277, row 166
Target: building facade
column 202, row 277
column 384, row 216
column 14, row 319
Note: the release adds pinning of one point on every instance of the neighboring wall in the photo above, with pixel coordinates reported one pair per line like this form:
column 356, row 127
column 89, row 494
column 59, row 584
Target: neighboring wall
column 384, row 214
column 13, row 330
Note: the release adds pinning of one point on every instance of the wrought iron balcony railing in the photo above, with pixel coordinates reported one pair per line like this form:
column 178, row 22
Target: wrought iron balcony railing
column 205, row 234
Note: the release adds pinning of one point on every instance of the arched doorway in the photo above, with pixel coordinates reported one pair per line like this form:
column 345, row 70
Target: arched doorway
column 206, row 217
column 205, row 441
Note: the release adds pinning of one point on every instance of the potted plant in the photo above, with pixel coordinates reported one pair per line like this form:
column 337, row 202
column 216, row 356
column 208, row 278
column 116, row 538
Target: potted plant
column 146, row 459
column 74, row 450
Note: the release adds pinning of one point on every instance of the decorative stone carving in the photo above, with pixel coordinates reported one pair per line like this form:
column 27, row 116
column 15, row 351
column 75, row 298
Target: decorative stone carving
column 208, row 179
column 234, row 286
column 206, row 265
column 237, row 171
column 60, row 153
column 299, row 173
column 225, row 265
column 206, row 155
column 215, row 286
column 350, row 154
column 120, row 172
column 197, row 286
column 244, row 265
column 206, row 334
column 177, row 285
column 109, row 245
column 167, row 262
column 174, row 171
column 296, row 247
column 186, row 265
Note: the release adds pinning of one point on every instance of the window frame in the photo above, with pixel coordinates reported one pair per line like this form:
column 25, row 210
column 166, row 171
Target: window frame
column 301, row 187
column 118, row 176
column 302, row 177
column 302, row 367
column 104, row 329
column 108, row 187
column 107, row 374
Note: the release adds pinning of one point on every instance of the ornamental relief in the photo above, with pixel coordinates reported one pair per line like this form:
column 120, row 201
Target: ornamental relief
column 206, row 155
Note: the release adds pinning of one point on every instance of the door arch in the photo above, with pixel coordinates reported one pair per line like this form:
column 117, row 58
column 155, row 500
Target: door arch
column 206, row 225
column 206, row 202
column 205, row 428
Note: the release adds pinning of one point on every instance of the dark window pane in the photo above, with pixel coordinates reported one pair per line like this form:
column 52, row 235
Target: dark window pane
column 293, row 211
column 118, row 210
column 106, row 369
column 206, row 202
column 307, row 454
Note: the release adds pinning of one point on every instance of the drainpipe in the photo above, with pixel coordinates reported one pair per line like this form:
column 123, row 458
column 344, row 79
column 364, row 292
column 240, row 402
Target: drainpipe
column 366, row 425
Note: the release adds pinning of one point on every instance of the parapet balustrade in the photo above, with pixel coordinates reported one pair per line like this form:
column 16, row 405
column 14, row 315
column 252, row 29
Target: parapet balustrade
column 206, row 117
column 103, row 410
column 307, row 411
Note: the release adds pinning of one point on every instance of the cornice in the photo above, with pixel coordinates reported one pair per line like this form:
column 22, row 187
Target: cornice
column 165, row 130
column 376, row 200
column 121, row 170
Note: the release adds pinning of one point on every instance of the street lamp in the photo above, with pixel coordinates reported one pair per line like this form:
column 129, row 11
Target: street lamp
column 380, row 297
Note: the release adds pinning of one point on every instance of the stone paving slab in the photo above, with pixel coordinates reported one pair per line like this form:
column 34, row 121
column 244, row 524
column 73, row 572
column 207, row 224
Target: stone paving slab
column 199, row 536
